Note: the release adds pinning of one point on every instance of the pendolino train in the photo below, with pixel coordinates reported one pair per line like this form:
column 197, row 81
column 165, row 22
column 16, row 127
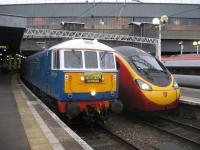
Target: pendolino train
column 145, row 84
column 78, row 77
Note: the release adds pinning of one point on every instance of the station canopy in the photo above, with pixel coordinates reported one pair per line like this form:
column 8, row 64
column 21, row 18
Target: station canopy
column 2, row 2
column 11, row 32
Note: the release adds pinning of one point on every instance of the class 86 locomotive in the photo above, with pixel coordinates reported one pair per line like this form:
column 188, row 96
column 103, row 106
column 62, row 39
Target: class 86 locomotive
column 78, row 77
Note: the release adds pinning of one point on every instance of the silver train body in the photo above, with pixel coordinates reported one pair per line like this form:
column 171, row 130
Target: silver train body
column 186, row 69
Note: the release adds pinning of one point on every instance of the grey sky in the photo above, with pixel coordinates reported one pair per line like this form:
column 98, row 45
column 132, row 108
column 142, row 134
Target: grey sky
column 68, row 1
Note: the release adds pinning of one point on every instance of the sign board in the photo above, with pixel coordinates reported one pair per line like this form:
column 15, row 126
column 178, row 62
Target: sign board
column 93, row 77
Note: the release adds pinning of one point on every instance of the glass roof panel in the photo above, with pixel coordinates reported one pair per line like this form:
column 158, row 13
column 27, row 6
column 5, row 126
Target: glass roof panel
column 2, row 2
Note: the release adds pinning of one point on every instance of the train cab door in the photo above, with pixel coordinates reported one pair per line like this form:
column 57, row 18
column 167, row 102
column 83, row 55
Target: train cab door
column 53, row 82
column 48, row 71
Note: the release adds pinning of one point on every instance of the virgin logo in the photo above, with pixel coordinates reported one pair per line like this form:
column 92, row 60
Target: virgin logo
column 165, row 94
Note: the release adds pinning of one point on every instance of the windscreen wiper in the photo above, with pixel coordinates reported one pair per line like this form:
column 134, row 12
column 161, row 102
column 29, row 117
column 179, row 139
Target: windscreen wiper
column 74, row 52
column 101, row 57
column 157, row 70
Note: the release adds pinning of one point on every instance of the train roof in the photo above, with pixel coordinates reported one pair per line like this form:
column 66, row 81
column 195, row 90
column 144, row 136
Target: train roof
column 82, row 44
column 182, row 57
column 76, row 44
column 129, row 50
column 185, row 60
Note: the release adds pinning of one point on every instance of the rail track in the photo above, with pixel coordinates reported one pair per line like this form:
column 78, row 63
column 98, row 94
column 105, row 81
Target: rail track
column 184, row 131
column 122, row 140
column 183, row 123
column 97, row 136
column 101, row 138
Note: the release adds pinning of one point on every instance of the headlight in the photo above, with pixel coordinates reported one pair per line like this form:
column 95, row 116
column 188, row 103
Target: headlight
column 82, row 78
column 143, row 85
column 93, row 93
column 175, row 85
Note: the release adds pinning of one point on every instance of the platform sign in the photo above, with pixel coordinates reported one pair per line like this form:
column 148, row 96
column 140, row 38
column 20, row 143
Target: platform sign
column 93, row 77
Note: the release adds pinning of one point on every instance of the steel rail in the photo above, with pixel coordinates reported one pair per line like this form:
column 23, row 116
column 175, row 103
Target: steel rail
column 170, row 133
column 121, row 139
column 180, row 123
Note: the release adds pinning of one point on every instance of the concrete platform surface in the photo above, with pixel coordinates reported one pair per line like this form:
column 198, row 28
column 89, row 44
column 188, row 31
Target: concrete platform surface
column 190, row 96
column 13, row 136
column 26, row 123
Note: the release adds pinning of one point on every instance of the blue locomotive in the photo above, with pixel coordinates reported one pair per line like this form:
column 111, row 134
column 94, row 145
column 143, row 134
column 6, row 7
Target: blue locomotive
column 77, row 77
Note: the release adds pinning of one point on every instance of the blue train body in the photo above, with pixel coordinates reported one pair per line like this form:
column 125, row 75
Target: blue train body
column 39, row 72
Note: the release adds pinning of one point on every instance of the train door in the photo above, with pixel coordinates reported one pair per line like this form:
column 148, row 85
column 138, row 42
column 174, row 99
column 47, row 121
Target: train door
column 48, row 71
column 54, row 74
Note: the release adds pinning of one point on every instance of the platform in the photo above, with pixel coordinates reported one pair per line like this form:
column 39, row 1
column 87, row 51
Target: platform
column 190, row 96
column 26, row 123
column 12, row 132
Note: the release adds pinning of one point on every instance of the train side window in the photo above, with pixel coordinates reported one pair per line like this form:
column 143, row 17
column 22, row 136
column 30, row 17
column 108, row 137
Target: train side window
column 56, row 60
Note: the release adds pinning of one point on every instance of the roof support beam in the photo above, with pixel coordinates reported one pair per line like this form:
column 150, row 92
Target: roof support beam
column 48, row 33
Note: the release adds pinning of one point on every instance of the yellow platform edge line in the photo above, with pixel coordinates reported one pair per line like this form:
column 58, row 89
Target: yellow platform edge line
column 35, row 136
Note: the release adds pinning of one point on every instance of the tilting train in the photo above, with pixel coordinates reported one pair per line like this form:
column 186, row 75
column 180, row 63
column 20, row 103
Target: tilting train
column 78, row 77
column 145, row 84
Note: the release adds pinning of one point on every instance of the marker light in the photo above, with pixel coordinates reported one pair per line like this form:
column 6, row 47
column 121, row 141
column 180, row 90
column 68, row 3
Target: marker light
column 175, row 85
column 82, row 78
column 66, row 77
column 114, row 77
column 0, row 54
column 93, row 93
column 143, row 85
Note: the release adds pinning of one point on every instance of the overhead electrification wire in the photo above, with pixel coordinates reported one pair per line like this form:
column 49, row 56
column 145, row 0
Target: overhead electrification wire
column 94, row 5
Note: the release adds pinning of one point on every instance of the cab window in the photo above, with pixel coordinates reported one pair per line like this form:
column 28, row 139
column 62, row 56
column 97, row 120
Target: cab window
column 146, row 62
column 107, row 60
column 91, row 61
column 73, row 59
